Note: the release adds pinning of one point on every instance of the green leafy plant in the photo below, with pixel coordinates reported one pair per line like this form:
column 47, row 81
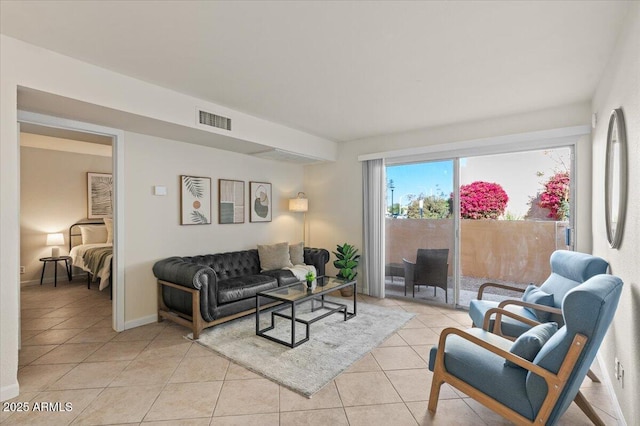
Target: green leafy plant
column 346, row 261
column 310, row 276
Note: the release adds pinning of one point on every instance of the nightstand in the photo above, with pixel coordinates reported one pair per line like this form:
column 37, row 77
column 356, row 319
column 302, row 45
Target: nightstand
column 55, row 260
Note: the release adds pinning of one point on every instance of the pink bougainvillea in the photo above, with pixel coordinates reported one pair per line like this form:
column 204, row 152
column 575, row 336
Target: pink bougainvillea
column 482, row 200
column 555, row 196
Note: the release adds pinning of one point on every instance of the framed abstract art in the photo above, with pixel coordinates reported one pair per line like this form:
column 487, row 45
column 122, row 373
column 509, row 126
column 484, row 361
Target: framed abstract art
column 260, row 201
column 231, row 201
column 99, row 195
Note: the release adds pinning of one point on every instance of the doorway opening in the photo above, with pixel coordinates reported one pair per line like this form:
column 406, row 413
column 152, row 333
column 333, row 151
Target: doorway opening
column 93, row 135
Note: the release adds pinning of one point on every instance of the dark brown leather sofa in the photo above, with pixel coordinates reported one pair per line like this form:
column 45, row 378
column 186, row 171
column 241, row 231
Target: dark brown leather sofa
column 202, row 291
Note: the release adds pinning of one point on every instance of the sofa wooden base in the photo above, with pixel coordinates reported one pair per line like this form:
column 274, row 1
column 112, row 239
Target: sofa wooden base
column 196, row 323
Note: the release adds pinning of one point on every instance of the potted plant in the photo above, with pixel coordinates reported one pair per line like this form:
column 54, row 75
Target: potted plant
column 346, row 261
column 309, row 278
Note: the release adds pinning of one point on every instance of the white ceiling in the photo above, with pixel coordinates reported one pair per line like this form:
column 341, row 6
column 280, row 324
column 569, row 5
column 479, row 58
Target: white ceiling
column 342, row 70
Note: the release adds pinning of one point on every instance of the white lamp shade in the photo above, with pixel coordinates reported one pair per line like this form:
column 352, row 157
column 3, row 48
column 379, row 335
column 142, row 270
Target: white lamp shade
column 298, row 204
column 55, row 239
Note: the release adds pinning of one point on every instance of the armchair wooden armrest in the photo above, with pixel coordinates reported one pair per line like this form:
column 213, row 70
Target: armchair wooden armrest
column 496, row 285
column 555, row 382
column 497, row 326
column 535, row 306
column 500, row 312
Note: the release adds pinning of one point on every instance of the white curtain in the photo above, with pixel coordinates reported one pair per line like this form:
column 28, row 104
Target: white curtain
column 373, row 178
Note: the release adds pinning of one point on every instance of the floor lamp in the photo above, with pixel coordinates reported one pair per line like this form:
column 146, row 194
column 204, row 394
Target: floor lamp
column 300, row 204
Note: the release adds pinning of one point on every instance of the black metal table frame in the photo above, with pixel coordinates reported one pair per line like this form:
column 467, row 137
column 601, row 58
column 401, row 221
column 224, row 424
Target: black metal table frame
column 339, row 307
column 55, row 261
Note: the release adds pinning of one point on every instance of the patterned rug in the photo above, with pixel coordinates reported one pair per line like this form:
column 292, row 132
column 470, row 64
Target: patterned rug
column 333, row 346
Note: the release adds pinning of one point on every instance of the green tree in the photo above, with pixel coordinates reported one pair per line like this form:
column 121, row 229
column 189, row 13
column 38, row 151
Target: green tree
column 434, row 207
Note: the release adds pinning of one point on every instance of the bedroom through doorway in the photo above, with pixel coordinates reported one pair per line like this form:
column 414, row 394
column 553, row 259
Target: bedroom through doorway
column 60, row 169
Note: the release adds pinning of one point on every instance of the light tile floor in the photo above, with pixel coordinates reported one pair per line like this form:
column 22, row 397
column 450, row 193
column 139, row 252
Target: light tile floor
column 151, row 375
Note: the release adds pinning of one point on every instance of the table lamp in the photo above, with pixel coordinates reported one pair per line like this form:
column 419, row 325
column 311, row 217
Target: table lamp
column 55, row 240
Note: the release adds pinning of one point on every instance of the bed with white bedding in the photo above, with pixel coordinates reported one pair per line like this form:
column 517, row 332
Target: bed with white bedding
column 91, row 250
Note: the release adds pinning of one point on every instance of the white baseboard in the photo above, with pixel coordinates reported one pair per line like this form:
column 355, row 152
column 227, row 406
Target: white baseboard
column 49, row 280
column 141, row 321
column 8, row 392
column 606, row 379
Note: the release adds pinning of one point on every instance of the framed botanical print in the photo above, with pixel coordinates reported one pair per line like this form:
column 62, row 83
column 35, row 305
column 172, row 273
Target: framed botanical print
column 99, row 195
column 195, row 200
column 231, row 201
column 260, row 201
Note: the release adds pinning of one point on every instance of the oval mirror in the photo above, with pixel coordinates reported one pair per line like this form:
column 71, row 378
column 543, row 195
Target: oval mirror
column 616, row 178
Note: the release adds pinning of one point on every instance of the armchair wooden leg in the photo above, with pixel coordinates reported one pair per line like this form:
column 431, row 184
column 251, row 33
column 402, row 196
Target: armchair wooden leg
column 587, row 409
column 436, row 383
column 593, row 376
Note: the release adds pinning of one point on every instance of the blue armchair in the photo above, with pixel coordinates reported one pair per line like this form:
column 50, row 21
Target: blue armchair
column 568, row 270
column 537, row 390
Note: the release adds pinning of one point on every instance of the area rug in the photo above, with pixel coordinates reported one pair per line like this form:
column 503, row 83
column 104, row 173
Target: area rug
column 333, row 346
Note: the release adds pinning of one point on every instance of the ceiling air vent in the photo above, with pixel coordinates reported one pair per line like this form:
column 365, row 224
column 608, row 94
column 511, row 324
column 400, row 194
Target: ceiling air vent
column 213, row 120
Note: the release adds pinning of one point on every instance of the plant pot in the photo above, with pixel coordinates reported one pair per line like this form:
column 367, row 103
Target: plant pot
column 309, row 285
column 347, row 291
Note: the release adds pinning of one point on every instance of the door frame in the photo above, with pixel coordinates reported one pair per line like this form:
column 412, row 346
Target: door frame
column 117, row 146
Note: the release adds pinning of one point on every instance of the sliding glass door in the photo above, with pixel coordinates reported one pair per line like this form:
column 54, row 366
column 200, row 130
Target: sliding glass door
column 515, row 210
column 498, row 217
column 419, row 231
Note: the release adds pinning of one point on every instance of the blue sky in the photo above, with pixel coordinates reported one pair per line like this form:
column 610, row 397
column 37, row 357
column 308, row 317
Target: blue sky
column 428, row 178
column 516, row 172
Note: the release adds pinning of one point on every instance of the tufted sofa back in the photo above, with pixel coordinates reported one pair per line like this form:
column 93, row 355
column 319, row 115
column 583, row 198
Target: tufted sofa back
column 230, row 264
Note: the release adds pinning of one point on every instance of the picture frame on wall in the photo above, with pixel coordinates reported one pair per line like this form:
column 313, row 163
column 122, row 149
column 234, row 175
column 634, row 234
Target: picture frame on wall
column 261, row 203
column 230, row 201
column 99, row 195
column 195, row 200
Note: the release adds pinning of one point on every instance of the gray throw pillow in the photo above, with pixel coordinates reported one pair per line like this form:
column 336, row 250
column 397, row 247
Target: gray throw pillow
column 534, row 295
column 274, row 256
column 529, row 344
column 296, row 253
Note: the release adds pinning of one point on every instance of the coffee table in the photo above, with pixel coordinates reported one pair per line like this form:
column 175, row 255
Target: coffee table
column 293, row 295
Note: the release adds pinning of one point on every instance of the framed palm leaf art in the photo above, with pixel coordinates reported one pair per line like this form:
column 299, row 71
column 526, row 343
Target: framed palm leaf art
column 195, row 200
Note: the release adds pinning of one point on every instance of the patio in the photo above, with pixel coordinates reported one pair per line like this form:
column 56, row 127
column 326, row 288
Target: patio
column 394, row 288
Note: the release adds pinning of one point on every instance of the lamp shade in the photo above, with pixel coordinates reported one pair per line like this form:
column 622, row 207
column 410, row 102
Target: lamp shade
column 299, row 204
column 55, row 239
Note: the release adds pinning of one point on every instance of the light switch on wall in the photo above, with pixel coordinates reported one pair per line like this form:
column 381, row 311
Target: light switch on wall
column 159, row 190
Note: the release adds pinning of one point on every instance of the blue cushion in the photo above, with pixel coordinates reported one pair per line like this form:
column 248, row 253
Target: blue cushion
column 576, row 266
column 510, row 326
column 485, row 370
column 534, row 295
column 529, row 344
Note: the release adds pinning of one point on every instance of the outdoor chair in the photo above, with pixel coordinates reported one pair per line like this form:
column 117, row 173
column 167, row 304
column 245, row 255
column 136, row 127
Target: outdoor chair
column 430, row 269
column 544, row 368
column 568, row 270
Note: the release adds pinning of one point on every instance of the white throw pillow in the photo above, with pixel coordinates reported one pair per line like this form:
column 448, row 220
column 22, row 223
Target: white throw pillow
column 95, row 234
column 108, row 223
column 296, row 253
column 274, row 256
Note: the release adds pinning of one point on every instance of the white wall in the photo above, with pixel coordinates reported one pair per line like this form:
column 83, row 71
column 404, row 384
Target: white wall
column 53, row 196
column 620, row 87
column 335, row 189
column 31, row 67
column 153, row 229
